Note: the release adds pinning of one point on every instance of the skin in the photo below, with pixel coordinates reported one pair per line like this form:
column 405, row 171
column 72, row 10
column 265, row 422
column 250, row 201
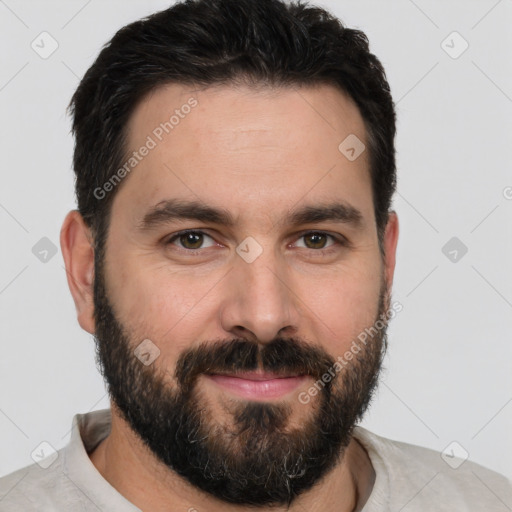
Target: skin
column 257, row 153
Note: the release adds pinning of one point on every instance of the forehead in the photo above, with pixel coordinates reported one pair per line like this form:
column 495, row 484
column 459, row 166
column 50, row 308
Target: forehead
column 257, row 108
column 245, row 149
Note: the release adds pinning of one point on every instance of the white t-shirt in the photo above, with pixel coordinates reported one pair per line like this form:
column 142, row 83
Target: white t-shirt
column 409, row 478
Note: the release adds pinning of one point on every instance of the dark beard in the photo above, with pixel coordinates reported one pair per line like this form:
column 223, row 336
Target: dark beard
column 252, row 459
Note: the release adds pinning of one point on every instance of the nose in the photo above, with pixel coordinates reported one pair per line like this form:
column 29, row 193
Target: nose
column 260, row 303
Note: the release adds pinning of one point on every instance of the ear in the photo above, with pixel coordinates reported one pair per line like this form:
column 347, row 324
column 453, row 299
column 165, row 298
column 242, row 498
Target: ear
column 77, row 248
column 390, row 244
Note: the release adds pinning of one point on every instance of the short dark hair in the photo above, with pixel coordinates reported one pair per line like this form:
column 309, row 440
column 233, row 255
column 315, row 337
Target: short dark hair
column 225, row 42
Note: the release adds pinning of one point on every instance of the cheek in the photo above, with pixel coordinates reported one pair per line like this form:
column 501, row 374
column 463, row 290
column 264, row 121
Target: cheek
column 344, row 307
column 153, row 302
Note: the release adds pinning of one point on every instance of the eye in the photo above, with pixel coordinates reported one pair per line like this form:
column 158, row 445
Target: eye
column 191, row 240
column 317, row 240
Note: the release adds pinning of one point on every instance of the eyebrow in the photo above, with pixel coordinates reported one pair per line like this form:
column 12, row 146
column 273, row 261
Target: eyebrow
column 169, row 210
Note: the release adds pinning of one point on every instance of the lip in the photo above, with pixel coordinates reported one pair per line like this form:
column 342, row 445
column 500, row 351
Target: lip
column 257, row 385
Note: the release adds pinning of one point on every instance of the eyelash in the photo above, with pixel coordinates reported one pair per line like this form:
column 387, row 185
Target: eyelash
column 340, row 241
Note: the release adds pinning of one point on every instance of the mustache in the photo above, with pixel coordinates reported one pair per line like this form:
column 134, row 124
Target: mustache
column 282, row 356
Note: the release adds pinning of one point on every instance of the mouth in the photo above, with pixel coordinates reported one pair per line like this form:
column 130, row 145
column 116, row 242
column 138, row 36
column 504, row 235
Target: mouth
column 257, row 385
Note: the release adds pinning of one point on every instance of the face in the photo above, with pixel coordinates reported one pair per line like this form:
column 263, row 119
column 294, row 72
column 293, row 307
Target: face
column 251, row 295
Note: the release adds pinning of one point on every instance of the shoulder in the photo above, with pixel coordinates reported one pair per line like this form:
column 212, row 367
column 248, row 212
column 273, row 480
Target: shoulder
column 36, row 487
column 418, row 478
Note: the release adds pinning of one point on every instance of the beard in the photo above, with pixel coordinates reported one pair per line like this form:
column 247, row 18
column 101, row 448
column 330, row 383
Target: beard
column 252, row 455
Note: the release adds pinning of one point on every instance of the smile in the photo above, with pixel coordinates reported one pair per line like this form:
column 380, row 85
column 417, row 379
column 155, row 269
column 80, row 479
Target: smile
column 257, row 385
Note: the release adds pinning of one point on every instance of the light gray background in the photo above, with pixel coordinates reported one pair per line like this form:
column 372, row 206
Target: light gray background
column 449, row 366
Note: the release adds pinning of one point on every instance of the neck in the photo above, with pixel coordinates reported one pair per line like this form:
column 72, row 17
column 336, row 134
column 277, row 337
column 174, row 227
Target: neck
column 129, row 466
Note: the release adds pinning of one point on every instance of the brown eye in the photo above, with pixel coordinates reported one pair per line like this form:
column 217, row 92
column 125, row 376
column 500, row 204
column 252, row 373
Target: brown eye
column 194, row 239
column 191, row 240
column 315, row 240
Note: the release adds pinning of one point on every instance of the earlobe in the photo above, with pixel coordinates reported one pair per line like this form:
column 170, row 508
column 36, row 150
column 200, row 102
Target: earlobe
column 78, row 253
column 390, row 245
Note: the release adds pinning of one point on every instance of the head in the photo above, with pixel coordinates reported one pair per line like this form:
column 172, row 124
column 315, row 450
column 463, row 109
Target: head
column 229, row 119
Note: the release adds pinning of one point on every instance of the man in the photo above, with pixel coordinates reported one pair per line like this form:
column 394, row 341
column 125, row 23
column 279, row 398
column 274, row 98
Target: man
column 233, row 255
